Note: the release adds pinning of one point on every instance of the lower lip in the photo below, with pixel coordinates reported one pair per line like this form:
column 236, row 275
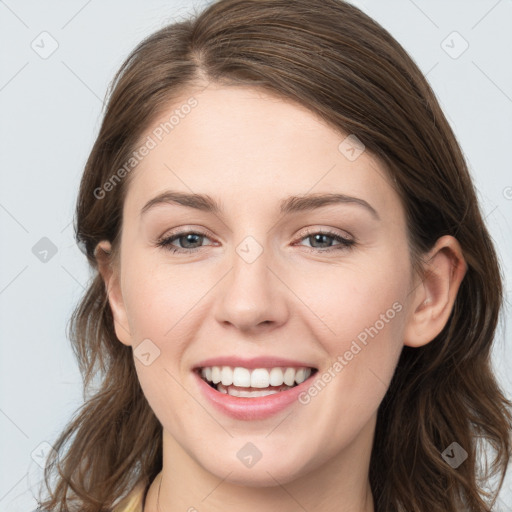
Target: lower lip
column 256, row 408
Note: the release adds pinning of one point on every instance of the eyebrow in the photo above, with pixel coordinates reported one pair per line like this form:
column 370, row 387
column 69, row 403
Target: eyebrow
column 292, row 204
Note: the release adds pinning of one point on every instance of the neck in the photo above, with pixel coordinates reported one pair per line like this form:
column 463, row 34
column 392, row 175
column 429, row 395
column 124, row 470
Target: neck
column 340, row 485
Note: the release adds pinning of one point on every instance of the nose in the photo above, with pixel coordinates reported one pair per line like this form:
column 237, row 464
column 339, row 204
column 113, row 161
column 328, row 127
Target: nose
column 252, row 297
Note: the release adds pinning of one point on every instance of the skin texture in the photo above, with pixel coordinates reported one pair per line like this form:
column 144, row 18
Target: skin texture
column 249, row 151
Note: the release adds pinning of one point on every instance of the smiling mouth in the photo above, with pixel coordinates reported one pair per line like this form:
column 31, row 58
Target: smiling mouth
column 252, row 383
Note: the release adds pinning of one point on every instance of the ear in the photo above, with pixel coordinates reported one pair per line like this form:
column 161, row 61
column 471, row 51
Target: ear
column 110, row 275
column 435, row 292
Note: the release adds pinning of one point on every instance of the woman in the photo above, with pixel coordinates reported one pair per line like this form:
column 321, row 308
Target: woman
column 295, row 294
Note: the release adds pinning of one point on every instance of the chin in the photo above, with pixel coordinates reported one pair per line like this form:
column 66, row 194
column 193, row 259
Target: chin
column 269, row 473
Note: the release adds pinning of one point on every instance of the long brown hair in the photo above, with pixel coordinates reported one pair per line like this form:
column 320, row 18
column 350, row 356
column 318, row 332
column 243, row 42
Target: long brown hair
column 332, row 58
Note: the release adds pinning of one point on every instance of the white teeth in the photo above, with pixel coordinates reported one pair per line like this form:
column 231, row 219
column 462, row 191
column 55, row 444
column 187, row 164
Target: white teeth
column 216, row 376
column 222, row 389
column 289, row 376
column 260, row 378
column 227, row 376
column 276, row 377
column 242, row 377
column 230, row 390
column 302, row 374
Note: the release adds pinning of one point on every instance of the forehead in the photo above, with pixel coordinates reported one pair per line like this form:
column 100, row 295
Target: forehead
column 246, row 145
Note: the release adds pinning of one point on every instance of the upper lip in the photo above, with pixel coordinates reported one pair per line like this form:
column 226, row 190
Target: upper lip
column 253, row 362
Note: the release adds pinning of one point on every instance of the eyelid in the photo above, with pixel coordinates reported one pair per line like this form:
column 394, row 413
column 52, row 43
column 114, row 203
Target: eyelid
column 344, row 242
column 163, row 241
column 325, row 231
column 185, row 230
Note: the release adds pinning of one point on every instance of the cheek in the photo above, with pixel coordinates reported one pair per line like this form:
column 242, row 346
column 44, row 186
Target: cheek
column 348, row 299
column 368, row 318
column 362, row 308
column 157, row 296
column 366, row 306
column 168, row 398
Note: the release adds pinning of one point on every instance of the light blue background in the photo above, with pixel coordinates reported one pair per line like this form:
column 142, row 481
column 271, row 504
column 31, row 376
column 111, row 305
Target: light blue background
column 50, row 115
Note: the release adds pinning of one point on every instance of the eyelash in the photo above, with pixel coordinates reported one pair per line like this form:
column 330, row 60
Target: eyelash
column 344, row 243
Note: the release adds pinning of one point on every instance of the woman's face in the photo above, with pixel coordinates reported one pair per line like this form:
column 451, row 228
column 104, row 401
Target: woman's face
column 296, row 257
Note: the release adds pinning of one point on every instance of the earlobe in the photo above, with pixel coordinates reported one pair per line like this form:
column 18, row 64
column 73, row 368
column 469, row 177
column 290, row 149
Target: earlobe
column 435, row 293
column 110, row 275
